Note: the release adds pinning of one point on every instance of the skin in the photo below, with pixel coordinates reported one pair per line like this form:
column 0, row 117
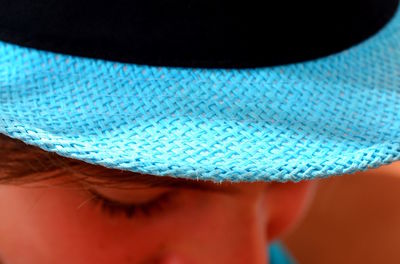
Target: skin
column 201, row 223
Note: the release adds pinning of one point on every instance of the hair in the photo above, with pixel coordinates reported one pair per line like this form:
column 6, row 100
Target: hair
column 21, row 163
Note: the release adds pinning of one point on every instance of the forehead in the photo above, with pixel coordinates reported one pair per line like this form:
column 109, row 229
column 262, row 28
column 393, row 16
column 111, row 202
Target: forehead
column 99, row 175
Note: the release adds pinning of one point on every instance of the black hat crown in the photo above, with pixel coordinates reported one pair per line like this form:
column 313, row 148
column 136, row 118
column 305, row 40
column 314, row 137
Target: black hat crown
column 194, row 33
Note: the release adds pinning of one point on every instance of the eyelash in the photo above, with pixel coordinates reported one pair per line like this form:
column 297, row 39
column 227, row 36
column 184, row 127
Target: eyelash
column 114, row 208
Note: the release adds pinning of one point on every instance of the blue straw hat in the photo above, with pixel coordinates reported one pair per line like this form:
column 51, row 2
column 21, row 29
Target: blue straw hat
column 330, row 115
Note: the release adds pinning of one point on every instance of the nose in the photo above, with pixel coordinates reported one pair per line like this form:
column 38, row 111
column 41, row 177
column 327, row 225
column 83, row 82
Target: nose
column 239, row 240
column 251, row 233
column 231, row 229
column 239, row 234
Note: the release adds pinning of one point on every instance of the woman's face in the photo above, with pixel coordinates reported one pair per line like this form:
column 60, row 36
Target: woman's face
column 178, row 222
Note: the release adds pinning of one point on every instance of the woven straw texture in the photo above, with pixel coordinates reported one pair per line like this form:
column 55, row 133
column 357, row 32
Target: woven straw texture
column 335, row 115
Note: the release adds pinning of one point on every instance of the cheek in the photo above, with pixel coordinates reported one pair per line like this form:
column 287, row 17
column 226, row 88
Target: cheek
column 52, row 225
column 55, row 225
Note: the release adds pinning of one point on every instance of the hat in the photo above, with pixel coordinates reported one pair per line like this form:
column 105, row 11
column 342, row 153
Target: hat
column 210, row 90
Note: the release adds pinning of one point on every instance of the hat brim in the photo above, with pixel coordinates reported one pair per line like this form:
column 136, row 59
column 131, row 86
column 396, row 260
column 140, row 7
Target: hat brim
column 330, row 116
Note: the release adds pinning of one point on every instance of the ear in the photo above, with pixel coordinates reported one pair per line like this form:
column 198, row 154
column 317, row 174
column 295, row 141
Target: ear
column 287, row 203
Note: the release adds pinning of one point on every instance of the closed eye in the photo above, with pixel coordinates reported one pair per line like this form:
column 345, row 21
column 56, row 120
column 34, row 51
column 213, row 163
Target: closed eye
column 153, row 204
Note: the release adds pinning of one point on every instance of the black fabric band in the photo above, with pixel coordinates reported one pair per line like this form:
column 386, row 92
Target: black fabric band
column 194, row 33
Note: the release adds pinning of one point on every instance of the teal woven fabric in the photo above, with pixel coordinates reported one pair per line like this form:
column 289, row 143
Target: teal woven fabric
column 334, row 115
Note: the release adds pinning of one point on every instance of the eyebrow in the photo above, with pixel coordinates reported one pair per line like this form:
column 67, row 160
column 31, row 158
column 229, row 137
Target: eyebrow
column 128, row 180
